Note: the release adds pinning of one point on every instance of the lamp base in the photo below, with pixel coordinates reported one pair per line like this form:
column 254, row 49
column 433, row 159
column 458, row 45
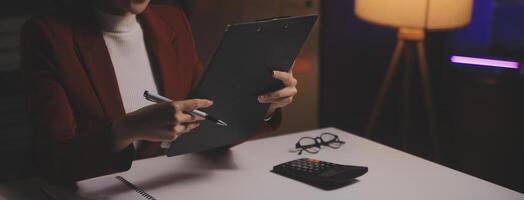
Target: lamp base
column 411, row 34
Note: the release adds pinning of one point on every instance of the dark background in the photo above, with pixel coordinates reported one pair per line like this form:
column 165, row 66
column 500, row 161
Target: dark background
column 480, row 110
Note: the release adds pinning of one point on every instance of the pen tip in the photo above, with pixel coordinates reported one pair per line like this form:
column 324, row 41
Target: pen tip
column 222, row 123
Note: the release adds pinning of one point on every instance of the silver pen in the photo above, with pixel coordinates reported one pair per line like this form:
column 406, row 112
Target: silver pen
column 160, row 99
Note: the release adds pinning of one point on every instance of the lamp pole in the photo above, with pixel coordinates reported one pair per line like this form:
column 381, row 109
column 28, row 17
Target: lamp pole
column 409, row 40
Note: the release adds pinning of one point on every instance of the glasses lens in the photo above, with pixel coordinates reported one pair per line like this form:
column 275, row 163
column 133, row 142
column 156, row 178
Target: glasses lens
column 313, row 149
column 328, row 137
column 307, row 142
column 335, row 144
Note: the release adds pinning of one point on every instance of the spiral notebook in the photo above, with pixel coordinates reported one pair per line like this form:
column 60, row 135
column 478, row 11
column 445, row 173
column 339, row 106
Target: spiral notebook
column 114, row 188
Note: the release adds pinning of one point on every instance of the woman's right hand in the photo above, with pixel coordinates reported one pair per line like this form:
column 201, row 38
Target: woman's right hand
column 161, row 122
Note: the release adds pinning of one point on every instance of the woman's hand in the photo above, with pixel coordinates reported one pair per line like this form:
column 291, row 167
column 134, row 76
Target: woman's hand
column 161, row 122
column 282, row 97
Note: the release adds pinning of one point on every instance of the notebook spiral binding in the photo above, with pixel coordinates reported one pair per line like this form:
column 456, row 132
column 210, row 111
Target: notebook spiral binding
column 136, row 188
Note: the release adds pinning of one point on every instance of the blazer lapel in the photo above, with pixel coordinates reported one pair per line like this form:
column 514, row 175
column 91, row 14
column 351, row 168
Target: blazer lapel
column 94, row 55
column 160, row 40
column 95, row 58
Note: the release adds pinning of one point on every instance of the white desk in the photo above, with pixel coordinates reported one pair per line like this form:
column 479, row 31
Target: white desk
column 244, row 174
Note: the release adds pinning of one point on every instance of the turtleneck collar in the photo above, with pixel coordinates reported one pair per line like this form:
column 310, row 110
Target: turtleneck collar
column 116, row 23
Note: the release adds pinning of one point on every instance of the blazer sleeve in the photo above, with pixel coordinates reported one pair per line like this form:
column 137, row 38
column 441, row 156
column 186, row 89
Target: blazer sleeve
column 62, row 151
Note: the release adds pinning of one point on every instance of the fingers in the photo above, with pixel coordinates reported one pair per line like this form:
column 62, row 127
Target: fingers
column 182, row 128
column 192, row 104
column 185, row 122
column 192, row 126
column 172, row 132
column 281, row 102
column 182, row 109
column 285, row 95
column 166, row 121
column 286, row 77
column 181, row 117
column 279, row 94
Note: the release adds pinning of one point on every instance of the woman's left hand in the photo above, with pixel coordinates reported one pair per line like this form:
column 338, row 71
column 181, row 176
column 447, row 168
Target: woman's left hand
column 282, row 97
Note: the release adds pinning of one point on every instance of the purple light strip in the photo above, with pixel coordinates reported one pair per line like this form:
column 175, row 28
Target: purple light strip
column 485, row 62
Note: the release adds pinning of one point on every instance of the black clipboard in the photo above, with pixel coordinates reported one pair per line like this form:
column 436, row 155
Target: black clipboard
column 240, row 70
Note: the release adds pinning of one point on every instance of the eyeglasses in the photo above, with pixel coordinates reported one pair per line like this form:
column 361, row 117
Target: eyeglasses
column 313, row 144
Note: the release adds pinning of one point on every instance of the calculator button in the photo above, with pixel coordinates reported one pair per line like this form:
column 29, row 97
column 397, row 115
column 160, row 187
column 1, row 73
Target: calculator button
column 328, row 173
column 313, row 161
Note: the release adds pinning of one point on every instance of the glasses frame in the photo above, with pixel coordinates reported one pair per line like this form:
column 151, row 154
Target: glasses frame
column 319, row 142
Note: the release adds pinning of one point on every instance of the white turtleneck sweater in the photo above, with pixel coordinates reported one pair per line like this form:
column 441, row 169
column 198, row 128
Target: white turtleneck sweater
column 125, row 42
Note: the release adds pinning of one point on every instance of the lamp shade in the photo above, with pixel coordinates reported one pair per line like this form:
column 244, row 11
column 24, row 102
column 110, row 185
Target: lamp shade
column 420, row 14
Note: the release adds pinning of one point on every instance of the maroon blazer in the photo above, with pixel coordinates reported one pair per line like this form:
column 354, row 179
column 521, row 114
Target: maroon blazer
column 72, row 90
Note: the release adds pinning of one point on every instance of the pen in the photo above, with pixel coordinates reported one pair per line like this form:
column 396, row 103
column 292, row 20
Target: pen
column 160, row 99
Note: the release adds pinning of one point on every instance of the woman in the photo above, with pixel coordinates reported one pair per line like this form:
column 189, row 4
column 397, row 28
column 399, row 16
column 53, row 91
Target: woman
column 86, row 70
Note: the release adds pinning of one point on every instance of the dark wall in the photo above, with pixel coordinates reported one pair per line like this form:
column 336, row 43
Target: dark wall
column 480, row 110
column 354, row 56
column 15, row 139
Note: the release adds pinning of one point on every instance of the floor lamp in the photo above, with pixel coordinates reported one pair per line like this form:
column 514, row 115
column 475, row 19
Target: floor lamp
column 412, row 18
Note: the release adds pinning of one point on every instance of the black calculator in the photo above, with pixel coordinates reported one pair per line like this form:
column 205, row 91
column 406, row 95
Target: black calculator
column 324, row 175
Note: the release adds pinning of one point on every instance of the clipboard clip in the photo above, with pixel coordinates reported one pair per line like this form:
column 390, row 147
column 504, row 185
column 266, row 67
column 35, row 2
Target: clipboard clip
column 273, row 18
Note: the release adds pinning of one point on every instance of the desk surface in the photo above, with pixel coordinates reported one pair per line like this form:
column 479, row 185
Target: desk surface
column 243, row 173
